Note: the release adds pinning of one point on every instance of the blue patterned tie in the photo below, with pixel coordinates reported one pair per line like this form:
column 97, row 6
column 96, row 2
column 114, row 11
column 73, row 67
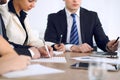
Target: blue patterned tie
column 74, row 38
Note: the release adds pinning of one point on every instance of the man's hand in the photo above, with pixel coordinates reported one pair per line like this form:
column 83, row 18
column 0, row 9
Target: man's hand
column 112, row 46
column 60, row 47
column 83, row 48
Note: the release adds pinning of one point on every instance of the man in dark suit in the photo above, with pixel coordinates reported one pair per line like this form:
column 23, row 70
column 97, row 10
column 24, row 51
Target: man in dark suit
column 88, row 25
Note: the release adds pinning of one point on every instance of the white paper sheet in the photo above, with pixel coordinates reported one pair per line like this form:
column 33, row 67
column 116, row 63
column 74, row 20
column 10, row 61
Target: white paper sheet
column 52, row 59
column 106, row 60
column 35, row 69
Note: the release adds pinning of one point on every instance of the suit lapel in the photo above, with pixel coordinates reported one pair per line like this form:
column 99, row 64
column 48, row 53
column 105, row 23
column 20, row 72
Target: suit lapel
column 3, row 30
column 19, row 25
column 63, row 24
column 82, row 25
column 16, row 20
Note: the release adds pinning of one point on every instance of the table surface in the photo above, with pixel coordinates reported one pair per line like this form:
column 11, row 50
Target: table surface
column 69, row 74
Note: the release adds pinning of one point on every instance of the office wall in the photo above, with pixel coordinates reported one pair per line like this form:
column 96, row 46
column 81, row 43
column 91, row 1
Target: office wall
column 108, row 11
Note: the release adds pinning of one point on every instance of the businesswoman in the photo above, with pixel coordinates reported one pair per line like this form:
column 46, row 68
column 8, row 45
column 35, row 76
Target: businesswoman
column 17, row 27
column 8, row 56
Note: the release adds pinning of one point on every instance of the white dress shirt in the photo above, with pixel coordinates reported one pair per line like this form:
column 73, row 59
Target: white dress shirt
column 69, row 25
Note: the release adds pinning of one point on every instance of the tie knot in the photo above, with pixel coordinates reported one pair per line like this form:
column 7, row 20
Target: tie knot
column 73, row 15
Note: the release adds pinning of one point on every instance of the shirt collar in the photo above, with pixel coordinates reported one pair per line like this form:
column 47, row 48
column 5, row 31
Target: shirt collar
column 68, row 13
column 12, row 9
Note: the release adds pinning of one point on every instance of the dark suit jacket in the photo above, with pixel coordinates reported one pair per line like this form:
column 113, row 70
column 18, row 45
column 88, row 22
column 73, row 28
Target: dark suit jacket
column 20, row 49
column 89, row 23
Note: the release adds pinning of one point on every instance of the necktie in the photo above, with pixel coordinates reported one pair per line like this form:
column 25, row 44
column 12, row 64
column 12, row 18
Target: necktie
column 74, row 38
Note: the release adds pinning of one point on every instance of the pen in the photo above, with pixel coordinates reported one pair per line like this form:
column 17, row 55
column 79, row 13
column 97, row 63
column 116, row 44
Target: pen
column 46, row 48
column 116, row 40
column 115, row 67
column 112, row 56
column 60, row 39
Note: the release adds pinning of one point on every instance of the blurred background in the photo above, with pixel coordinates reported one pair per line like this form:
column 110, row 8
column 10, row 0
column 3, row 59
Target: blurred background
column 108, row 12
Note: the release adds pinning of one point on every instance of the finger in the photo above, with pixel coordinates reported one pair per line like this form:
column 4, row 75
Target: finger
column 57, row 47
column 51, row 53
column 85, row 49
column 29, row 58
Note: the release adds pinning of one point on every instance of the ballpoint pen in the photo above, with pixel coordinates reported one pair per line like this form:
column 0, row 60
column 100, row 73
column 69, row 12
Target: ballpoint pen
column 116, row 40
column 60, row 39
column 46, row 48
column 112, row 56
column 115, row 67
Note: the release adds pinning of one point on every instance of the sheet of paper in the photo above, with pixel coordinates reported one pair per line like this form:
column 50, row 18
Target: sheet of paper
column 57, row 52
column 35, row 69
column 106, row 60
column 52, row 59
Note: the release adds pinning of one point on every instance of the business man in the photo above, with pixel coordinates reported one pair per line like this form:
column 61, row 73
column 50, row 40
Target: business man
column 78, row 26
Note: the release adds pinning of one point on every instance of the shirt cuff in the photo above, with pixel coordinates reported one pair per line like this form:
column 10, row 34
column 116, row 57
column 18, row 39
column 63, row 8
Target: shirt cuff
column 31, row 52
column 68, row 46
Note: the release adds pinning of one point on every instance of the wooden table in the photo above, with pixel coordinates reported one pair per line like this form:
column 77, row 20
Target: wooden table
column 69, row 74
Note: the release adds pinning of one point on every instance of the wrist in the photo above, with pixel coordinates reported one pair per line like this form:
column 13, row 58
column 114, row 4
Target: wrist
column 68, row 47
column 53, row 46
column 75, row 48
column 108, row 49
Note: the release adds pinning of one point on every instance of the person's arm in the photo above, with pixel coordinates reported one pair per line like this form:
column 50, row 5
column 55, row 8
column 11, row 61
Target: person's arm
column 51, row 33
column 12, row 62
column 9, row 60
column 101, row 38
column 5, row 48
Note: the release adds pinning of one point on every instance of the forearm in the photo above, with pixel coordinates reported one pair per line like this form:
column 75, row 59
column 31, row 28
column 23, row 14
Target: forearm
column 5, row 47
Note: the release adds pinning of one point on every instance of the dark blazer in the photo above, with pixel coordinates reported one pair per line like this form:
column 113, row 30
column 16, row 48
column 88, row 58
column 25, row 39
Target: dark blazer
column 20, row 49
column 89, row 23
